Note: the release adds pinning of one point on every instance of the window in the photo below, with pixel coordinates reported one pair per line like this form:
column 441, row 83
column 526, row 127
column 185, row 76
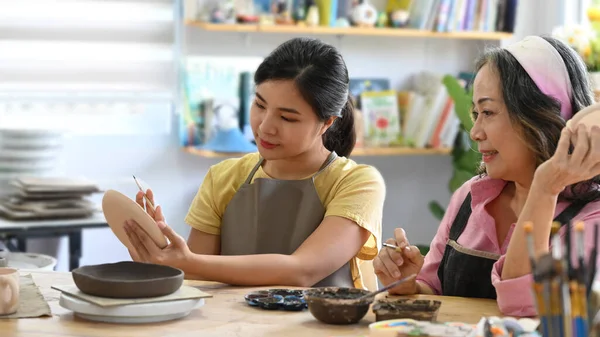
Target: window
column 94, row 66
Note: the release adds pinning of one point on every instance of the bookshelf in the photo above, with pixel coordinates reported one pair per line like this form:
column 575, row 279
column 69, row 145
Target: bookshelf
column 358, row 152
column 350, row 31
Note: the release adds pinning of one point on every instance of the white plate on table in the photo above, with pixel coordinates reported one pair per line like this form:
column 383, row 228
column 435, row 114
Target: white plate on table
column 30, row 261
column 130, row 313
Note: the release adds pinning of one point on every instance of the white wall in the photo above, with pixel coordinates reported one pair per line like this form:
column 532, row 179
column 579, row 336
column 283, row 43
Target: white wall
column 412, row 181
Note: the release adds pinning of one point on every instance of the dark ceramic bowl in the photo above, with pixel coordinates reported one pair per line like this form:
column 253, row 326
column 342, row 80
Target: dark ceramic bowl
column 402, row 308
column 128, row 280
column 334, row 305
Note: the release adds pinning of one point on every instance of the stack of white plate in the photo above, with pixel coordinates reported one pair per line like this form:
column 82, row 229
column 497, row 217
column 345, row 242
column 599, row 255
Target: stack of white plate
column 28, row 152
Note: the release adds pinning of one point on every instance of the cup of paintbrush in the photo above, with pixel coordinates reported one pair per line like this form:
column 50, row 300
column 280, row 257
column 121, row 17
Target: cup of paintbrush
column 578, row 287
column 538, row 285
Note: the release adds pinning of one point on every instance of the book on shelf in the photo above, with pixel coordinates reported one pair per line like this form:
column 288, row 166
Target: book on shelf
column 463, row 15
column 420, row 117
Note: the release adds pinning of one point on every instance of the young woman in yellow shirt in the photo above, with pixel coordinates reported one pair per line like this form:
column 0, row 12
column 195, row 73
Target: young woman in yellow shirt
column 298, row 212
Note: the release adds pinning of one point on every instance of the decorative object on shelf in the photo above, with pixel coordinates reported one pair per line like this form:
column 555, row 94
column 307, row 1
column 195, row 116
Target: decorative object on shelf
column 398, row 11
column 299, row 10
column 223, row 13
column 364, row 14
column 282, row 9
column 312, row 14
column 382, row 20
column 399, row 18
column 210, row 81
column 342, row 23
column 464, row 158
column 228, row 136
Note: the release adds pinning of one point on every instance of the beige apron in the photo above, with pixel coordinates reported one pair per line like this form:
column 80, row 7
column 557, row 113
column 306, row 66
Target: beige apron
column 271, row 216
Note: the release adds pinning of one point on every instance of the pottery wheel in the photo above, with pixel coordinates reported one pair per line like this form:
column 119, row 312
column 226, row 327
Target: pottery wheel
column 134, row 313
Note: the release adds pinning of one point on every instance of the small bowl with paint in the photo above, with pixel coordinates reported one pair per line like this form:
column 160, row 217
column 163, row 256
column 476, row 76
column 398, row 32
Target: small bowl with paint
column 286, row 292
column 272, row 302
column 252, row 298
column 293, row 303
column 389, row 308
column 337, row 305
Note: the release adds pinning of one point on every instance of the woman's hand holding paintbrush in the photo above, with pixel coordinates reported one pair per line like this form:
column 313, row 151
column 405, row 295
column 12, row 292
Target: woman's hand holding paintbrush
column 147, row 203
column 398, row 259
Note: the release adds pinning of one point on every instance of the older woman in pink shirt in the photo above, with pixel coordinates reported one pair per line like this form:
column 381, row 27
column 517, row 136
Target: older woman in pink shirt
column 535, row 168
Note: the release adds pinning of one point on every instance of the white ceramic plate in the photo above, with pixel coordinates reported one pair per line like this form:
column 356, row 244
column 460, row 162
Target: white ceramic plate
column 25, row 143
column 130, row 313
column 28, row 154
column 31, row 261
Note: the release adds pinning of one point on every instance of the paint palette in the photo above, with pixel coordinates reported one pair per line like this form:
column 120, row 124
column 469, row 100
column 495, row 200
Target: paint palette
column 276, row 299
column 410, row 327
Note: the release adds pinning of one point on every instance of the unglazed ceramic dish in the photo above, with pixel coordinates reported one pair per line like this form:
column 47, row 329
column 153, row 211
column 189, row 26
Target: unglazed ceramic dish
column 128, row 280
column 589, row 116
column 119, row 208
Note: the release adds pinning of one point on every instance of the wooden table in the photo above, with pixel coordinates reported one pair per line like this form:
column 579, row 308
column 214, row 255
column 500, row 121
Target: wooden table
column 225, row 314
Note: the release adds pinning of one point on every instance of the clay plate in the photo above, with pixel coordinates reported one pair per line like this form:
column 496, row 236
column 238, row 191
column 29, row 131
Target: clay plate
column 119, row 208
column 336, row 305
column 588, row 116
column 128, row 280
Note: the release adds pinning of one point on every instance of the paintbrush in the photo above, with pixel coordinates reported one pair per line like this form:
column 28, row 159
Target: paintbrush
column 538, row 287
column 148, row 202
column 545, row 272
column 567, row 296
column 394, row 247
column 580, row 316
column 592, row 300
column 556, row 303
column 591, row 269
column 388, row 287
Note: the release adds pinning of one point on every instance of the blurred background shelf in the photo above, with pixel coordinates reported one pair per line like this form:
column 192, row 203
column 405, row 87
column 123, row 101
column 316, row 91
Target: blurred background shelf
column 359, row 152
column 357, row 31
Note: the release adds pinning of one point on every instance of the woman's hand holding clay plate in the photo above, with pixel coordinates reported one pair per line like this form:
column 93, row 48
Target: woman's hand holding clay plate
column 118, row 208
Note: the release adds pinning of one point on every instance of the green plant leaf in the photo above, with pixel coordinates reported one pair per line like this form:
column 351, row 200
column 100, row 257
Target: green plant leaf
column 468, row 161
column 459, row 177
column 462, row 100
column 423, row 249
column 437, row 210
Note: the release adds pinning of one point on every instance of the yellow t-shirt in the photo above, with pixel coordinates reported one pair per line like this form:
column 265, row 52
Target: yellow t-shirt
column 346, row 189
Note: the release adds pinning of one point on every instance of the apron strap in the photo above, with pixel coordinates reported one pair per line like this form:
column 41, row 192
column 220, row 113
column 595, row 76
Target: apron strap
column 565, row 217
column 332, row 156
column 461, row 219
column 251, row 175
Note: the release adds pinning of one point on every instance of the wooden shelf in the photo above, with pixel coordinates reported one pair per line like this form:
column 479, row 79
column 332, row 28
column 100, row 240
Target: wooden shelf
column 358, row 152
column 356, row 31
